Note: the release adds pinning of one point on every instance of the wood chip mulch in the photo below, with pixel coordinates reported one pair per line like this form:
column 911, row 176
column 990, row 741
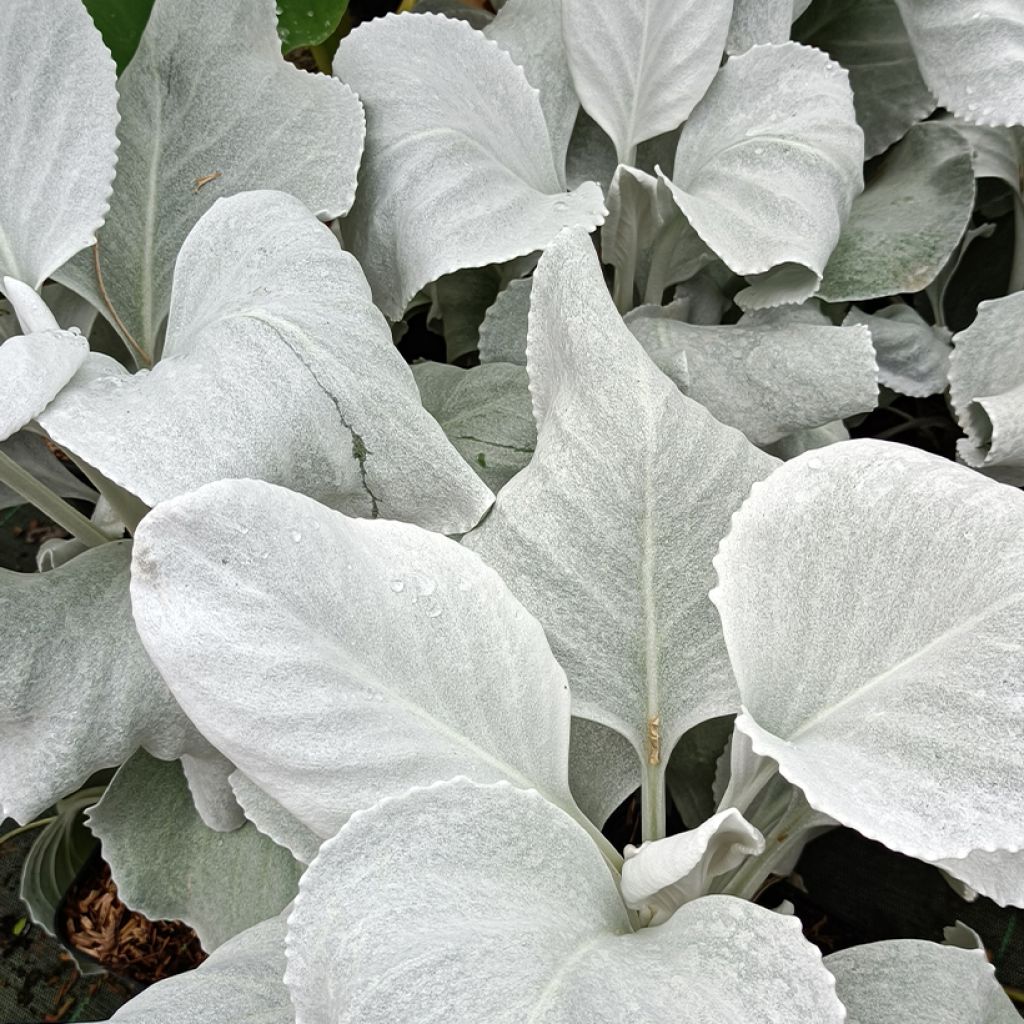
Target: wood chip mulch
column 98, row 924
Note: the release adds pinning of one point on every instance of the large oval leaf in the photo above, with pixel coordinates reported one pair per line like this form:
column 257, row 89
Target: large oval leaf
column 607, row 536
column 878, row 709
column 394, row 655
column 463, row 903
column 58, row 108
column 768, row 166
column 459, row 170
column 276, row 365
column 208, row 109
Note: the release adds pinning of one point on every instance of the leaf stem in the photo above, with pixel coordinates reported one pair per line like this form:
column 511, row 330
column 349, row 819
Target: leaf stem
column 322, row 56
column 652, row 802
column 1017, row 269
column 26, row 828
column 49, row 502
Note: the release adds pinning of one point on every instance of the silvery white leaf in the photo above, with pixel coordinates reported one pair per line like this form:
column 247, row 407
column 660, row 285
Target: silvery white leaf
column 69, row 309
column 762, row 21
column 809, row 313
column 657, row 335
column 29, row 450
column 971, row 56
column 603, row 769
column 406, row 915
column 240, row 567
column 792, row 445
column 634, row 219
column 167, row 864
column 78, row 691
column 873, row 708
column 998, row 874
column 607, row 535
column 913, row 356
column 908, row 221
column 869, row 39
column 962, row 936
column 32, row 312
column 639, row 68
column 531, row 32
column 33, row 369
column 208, row 782
column 271, row 330
column 486, row 414
column 910, row 981
column 771, row 380
column 700, row 300
column 591, row 155
column 503, row 332
column 208, row 109
column 986, row 385
column 768, row 166
column 241, row 981
column 460, row 174
column 998, row 152
column 58, row 106
column 273, row 820
column 690, row 776
column 661, row 876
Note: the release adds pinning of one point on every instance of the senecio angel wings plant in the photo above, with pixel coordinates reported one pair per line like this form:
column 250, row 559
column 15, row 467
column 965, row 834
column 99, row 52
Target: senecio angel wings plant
column 378, row 650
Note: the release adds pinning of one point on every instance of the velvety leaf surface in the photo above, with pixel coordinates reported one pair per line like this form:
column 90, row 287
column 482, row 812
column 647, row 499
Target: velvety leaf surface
column 485, row 412
column 876, row 708
column 768, row 166
column 77, row 691
column 913, row 356
column 209, row 108
column 168, row 864
column 971, row 56
column 639, row 68
column 240, row 982
column 259, row 605
column 997, row 874
column 277, row 366
column 986, row 385
column 58, row 108
column 603, row 769
column 33, row 369
column 768, row 380
column 503, row 332
column 762, row 21
column 908, row 221
column 909, row 981
column 460, row 174
column 273, row 820
column 406, row 915
column 531, row 32
column 607, row 536
column 869, row 39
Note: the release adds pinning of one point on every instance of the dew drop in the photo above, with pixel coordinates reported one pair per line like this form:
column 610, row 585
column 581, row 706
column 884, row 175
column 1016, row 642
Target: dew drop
column 296, row 536
column 397, row 586
column 561, row 206
column 433, row 611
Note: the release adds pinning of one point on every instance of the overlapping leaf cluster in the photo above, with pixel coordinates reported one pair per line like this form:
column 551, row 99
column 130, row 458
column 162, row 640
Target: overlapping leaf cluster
column 378, row 650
